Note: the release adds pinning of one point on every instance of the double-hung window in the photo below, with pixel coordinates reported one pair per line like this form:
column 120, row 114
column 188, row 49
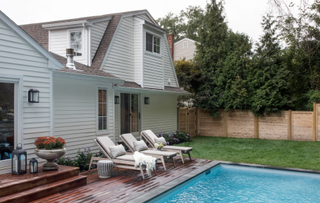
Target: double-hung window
column 76, row 39
column 102, row 109
column 152, row 43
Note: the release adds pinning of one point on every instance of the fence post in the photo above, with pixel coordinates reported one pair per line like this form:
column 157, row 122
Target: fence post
column 187, row 120
column 256, row 127
column 197, row 122
column 289, row 125
column 178, row 118
column 314, row 122
column 225, row 124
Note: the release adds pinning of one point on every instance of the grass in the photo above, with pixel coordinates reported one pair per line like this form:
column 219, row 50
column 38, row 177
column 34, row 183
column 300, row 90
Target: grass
column 283, row 153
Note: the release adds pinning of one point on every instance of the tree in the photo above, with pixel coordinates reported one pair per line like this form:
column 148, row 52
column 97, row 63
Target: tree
column 185, row 24
column 172, row 24
column 188, row 75
column 210, row 57
column 269, row 86
column 301, row 34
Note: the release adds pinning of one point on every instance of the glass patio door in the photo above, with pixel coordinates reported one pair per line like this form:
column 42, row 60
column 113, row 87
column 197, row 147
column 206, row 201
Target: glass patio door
column 129, row 113
column 6, row 120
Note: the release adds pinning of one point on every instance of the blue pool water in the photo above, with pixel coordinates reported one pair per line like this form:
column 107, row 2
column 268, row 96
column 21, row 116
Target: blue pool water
column 230, row 183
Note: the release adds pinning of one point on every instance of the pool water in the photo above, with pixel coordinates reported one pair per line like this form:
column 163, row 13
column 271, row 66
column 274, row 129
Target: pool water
column 230, row 183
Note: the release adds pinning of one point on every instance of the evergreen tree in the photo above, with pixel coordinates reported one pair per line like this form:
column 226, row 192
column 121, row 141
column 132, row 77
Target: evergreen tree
column 269, row 86
column 210, row 57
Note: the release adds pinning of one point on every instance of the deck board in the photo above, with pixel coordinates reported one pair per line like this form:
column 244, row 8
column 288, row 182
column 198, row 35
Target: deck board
column 124, row 186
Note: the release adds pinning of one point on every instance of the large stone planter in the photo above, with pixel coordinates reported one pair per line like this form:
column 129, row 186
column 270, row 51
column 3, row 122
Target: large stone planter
column 50, row 156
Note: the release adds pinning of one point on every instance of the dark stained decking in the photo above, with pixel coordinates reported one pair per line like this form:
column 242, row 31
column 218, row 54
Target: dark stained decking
column 124, row 186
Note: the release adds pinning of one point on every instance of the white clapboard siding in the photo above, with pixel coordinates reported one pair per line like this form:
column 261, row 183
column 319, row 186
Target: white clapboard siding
column 187, row 51
column 152, row 67
column 161, row 114
column 17, row 57
column 97, row 31
column 58, row 43
column 75, row 112
column 145, row 17
column 120, row 61
column 168, row 67
column 137, row 37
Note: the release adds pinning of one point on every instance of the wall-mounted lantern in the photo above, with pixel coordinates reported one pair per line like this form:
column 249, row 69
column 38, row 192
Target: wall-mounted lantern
column 33, row 96
column 33, row 166
column 19, row 161
column 146, row 100
column 116, row 100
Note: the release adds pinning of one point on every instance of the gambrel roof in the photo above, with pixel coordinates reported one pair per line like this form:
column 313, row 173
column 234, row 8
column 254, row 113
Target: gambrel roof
column 40, row 34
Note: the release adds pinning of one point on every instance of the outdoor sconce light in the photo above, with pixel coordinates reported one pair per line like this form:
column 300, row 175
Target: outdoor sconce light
column 116, row 100
column 33, row 96
column 19, row 161
column 33, row 166
column 146, row 100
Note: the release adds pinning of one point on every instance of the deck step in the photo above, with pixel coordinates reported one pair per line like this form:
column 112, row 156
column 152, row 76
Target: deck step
column 45, row 190
column 13, row 184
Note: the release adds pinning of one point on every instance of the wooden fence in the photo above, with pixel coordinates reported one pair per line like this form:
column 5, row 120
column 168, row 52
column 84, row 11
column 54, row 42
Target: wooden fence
column 290, row 125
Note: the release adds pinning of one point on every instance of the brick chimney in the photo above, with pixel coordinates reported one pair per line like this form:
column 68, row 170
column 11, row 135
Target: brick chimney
column 171, row 44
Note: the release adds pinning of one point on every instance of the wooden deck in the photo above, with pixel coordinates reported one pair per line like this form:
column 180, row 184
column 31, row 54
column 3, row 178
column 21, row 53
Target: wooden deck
column 124, row 186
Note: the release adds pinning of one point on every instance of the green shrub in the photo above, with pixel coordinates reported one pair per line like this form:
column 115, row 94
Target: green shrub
column 176, row 137
column 82, row 160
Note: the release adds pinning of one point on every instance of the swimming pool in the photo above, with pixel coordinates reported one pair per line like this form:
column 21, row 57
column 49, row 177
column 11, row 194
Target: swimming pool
column 233, row 183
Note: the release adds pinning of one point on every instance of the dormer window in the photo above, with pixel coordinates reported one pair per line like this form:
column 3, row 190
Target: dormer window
column 76, row 41
column 152, row 43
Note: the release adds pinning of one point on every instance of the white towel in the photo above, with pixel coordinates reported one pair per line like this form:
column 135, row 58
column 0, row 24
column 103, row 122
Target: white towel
column 149, row 161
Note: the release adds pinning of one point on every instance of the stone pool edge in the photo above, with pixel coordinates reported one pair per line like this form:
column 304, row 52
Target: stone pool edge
column 170, row 185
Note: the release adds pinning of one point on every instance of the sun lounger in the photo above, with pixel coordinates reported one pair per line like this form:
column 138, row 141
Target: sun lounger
column 125, row 161
column 149, row 136
column 128, row 139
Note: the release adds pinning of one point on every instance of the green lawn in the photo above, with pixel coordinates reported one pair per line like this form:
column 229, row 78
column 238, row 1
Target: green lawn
column 283, row 153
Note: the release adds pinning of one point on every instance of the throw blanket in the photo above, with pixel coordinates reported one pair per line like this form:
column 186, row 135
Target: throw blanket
column 149, row 161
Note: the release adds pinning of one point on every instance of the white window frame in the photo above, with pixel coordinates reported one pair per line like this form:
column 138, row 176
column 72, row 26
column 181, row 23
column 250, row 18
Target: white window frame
column 102, row 132
column 153, row 35
column 82, row 42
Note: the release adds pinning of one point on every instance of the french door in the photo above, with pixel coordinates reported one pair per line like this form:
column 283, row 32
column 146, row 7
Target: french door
column 7, row 138
column 130, row 114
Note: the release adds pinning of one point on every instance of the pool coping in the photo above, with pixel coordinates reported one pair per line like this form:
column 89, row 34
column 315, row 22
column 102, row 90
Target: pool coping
column 170, row 185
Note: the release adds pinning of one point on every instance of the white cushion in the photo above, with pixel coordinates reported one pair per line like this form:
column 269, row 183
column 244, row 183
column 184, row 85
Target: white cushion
column 117, row 151
column 140, row 145
column 161, row 140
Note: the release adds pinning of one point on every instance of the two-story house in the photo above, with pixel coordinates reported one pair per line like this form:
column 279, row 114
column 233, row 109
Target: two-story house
column 185, row 48
column 123, row 81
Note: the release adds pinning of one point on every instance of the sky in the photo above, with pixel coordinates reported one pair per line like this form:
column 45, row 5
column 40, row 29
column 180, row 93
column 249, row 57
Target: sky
column 243, row 16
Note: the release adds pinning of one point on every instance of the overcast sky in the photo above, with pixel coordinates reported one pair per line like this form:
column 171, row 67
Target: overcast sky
column 243, row 16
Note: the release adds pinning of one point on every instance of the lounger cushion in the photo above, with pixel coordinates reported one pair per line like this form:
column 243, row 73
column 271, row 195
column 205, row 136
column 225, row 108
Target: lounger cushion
column 161, row 140
column 117, row 151
column 140, row 145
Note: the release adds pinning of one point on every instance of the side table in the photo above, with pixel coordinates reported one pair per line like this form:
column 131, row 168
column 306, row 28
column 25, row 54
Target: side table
column 105, row 168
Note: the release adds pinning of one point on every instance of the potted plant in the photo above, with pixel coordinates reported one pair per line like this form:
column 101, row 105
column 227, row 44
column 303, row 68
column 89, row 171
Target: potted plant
column 158, row 145
column 50, row 148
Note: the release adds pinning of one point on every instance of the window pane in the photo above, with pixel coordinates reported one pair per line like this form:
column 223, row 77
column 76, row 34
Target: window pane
column 76, row 42
column 156, row 45
column 6, row 120
column 102, row 109
column 134, row 113
column 149, row 42
column 104, row 123
column 104, row 95
column 100, row 123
